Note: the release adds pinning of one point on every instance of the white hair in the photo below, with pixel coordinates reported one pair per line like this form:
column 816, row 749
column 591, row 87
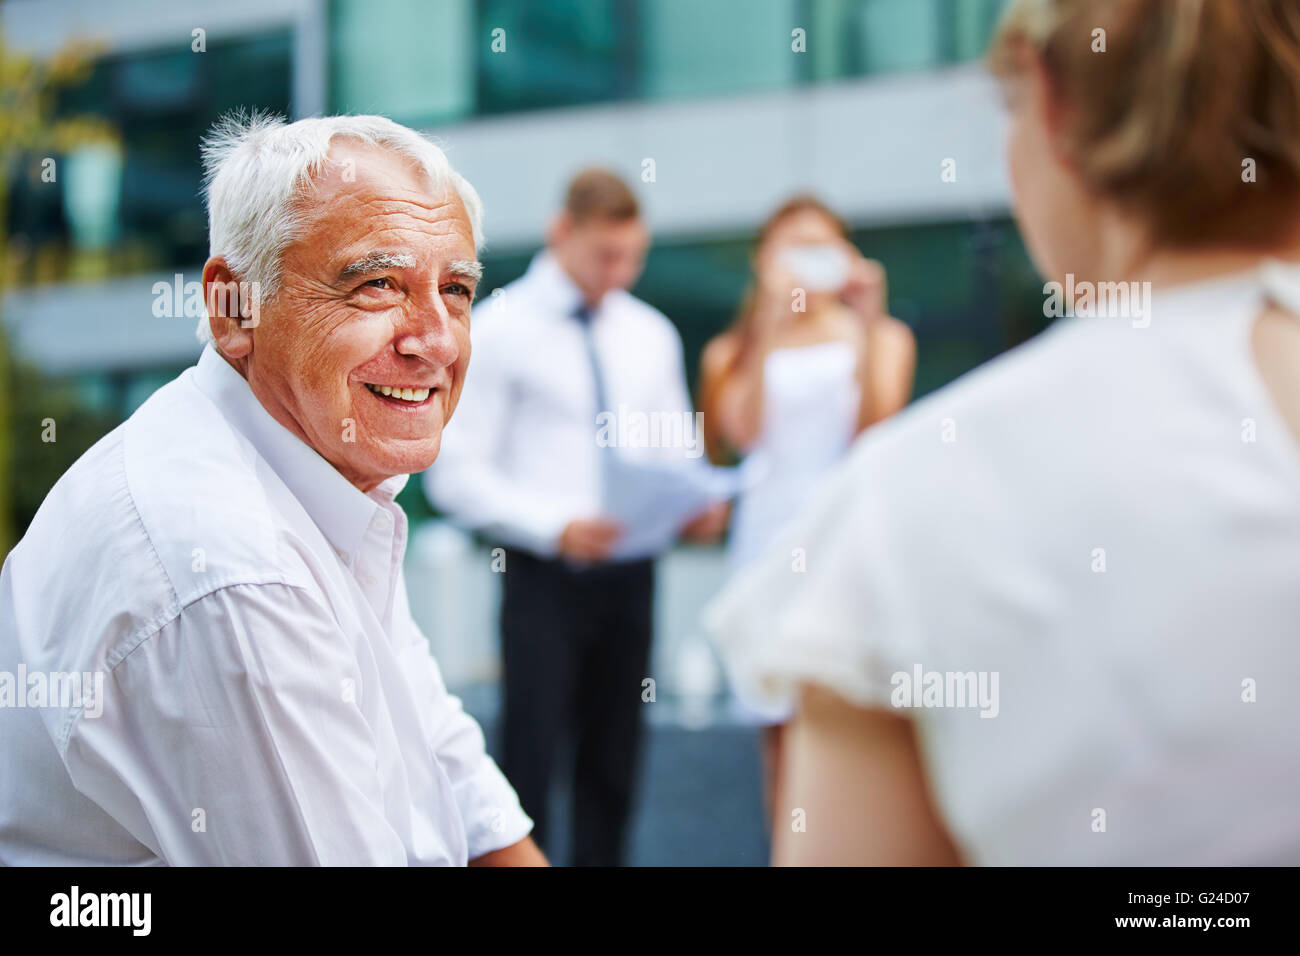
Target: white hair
column 256, row 167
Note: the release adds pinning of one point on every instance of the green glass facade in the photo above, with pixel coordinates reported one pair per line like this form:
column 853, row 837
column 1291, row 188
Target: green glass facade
column 161, row 103
column 452, row 59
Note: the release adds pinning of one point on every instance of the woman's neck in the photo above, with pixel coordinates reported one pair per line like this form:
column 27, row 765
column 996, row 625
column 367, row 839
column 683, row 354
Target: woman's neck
column 1129, row 255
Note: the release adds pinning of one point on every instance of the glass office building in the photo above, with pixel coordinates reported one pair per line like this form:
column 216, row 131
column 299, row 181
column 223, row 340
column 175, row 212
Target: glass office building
column 562, row 53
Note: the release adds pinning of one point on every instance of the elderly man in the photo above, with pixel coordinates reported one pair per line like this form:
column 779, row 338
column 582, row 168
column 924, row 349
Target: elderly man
column 229, row 561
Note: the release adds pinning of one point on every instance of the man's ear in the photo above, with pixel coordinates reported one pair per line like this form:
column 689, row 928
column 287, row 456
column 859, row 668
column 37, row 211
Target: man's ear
column 233, row 309
column 559, row 229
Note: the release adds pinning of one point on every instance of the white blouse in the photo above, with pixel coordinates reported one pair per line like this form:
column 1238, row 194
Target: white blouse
column 1079, row 567
column 810, row 415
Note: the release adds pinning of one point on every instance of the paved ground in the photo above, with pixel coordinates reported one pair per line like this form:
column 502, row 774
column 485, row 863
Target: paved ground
column 700, row 802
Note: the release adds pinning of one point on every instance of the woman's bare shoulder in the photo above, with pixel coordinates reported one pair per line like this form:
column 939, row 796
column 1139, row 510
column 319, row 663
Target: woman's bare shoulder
column 895, row 331
column 718, row 352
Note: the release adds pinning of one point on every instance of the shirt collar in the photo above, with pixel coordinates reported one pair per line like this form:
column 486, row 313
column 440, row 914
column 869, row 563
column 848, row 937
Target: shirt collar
column 340, row 509
column 560, row 288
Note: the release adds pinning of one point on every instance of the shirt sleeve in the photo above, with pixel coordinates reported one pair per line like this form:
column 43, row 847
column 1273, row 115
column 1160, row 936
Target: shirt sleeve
column 466, row 481
column 488, row 804
column 230, row 738
column 674, row 397
column 677, row 396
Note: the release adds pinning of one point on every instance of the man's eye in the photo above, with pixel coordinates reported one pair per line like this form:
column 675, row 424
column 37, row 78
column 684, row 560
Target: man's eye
column 382, row 283
column 457, row 288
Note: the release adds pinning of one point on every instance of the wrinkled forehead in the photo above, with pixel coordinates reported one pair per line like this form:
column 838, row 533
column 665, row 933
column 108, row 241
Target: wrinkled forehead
column 359, row 172
column 364, row 190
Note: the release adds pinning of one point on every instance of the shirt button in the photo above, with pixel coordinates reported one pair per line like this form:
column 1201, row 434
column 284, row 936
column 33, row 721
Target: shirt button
column 383, row 519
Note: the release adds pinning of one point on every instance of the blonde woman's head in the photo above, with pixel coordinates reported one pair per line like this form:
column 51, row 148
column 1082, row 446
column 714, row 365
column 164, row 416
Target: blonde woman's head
column 1180, row 117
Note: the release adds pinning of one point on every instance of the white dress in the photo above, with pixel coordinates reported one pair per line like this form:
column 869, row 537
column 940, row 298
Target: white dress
column 1107, row 521
column 810, row 414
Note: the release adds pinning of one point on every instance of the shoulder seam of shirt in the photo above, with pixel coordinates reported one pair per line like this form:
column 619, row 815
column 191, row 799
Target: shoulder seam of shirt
column 174, row 608
column 126, row 648
column 139, row 520
column 641, row 305
column 659, row 320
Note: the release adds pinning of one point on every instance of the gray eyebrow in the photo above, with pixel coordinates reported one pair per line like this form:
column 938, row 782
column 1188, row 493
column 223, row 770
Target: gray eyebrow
column 470, row 268
column 377, row 262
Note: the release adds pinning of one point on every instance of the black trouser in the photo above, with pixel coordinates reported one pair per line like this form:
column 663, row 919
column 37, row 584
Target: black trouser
column 576, row 647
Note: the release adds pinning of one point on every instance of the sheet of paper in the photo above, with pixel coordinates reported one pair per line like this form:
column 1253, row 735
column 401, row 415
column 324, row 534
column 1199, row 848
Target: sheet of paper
column 653, row 500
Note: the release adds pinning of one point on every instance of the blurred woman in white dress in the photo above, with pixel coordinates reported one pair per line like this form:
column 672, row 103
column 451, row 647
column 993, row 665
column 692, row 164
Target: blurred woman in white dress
column 811, row 361
column 1049, row 612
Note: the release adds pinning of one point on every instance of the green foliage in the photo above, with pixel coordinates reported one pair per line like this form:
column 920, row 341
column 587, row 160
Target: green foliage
column 29, row 467
column 35, row 401
column 6, row 447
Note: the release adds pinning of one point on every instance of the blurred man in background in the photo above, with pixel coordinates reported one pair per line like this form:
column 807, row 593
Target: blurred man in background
column 524, row 466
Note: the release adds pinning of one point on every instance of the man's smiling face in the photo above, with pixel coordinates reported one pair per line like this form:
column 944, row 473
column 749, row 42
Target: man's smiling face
column 362, row 352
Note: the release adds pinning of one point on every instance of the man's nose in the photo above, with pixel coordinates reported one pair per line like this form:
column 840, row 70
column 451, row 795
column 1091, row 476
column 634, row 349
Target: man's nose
column 427, row 331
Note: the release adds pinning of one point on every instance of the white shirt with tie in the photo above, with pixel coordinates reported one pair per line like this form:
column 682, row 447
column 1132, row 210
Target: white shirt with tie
column 520, row 457
column 266, row 697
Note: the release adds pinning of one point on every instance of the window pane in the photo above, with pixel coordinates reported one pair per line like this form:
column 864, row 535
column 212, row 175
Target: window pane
column 410, row 60
column 975, row 21
column 559, row 53
column 900, row 35
column 159, row 103
column 702, row 47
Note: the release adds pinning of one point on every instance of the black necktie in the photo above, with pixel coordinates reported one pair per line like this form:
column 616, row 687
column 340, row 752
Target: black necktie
column 584, row 314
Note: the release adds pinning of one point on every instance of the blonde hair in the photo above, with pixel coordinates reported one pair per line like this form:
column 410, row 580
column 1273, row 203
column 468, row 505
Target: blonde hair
column 1187, row 96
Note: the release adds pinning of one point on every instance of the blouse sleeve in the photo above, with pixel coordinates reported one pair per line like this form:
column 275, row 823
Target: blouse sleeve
column 822, row 604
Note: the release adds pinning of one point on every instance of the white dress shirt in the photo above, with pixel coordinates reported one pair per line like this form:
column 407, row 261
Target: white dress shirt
column 519, row 458
column 1107, row 521
column 267, row 698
